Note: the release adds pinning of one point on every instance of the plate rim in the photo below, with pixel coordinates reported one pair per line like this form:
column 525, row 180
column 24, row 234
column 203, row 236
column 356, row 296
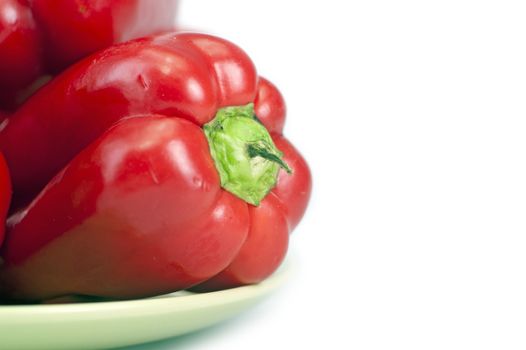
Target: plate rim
column 165, row 303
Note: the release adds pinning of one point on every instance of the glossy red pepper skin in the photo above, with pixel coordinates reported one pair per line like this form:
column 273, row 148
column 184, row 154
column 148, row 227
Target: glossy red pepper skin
column 149, row 245
column 185, row 75
column 5, row 195
column 42, row 36
column 139, row 212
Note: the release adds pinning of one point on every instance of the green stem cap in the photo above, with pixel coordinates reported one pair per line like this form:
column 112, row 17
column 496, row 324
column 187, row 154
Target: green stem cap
column 244, row 154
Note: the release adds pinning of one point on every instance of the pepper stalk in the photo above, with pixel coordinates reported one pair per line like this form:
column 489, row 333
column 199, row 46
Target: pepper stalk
column 244, row 154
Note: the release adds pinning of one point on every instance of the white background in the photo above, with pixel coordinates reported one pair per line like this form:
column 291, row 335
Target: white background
column 411, row 115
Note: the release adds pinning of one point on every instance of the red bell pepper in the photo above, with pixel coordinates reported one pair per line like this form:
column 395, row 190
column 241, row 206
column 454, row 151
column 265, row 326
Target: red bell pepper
column 5, row 195
column 171, row 148
column 39, row 36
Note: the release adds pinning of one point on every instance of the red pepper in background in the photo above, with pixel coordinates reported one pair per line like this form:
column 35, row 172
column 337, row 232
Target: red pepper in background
column 43, row 36
column 5, row 195
column 20, row 50
column 157, row 203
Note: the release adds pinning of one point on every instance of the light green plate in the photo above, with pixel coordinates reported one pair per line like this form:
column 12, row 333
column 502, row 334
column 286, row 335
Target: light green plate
column 122, row 323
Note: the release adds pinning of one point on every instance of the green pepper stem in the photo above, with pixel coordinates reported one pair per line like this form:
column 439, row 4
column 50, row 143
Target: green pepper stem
column 263, row 150
column 244, row 153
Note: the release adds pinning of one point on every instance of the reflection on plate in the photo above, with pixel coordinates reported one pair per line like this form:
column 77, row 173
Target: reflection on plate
column 121, row 323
